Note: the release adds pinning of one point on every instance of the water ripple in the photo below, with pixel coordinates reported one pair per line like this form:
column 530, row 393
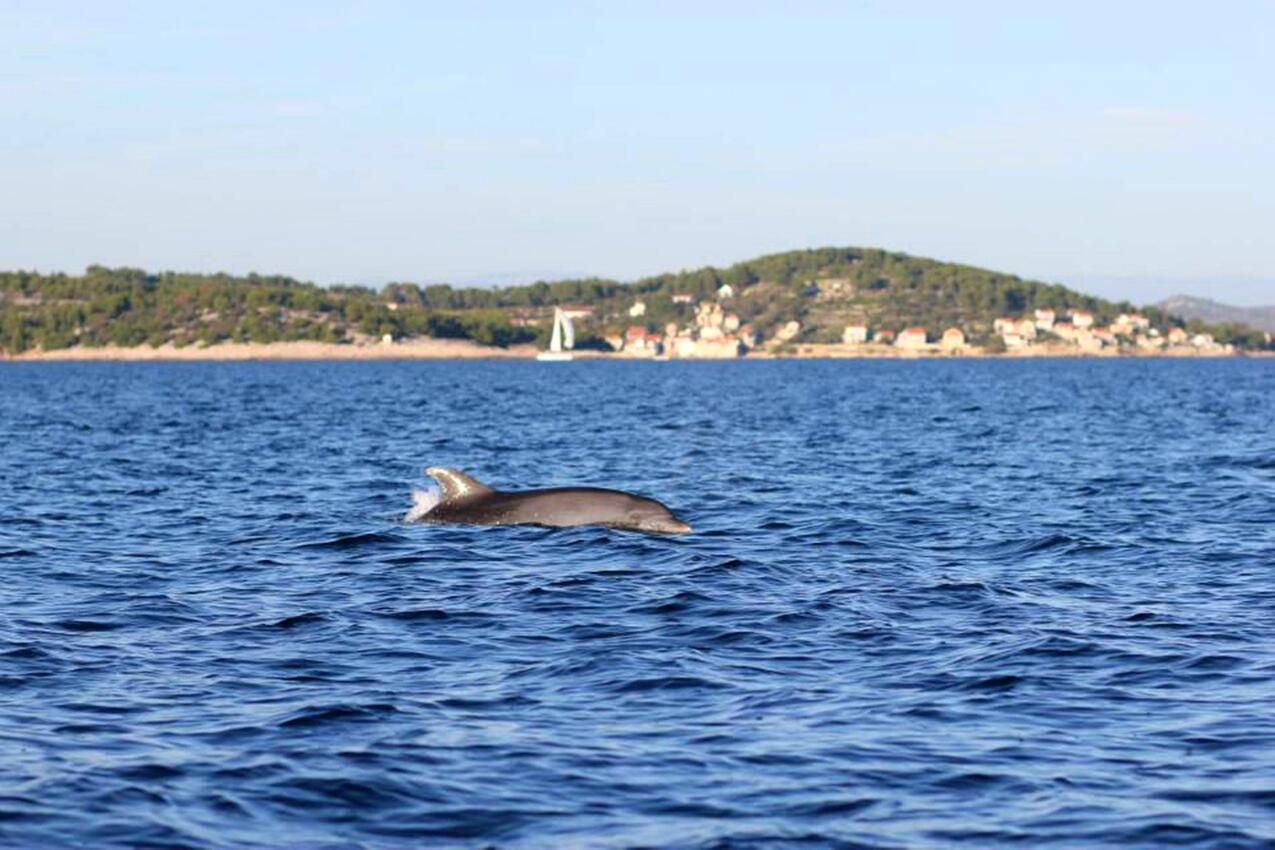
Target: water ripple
column 926, row 604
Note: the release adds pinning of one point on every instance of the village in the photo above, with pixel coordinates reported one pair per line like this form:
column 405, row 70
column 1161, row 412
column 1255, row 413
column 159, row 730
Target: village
column 717, row 332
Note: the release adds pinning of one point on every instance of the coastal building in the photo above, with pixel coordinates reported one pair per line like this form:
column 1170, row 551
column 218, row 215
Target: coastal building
column 1107, row 336
column 885, row 336
column 953, row 338
column 1178, row 336
column 854, row 334
column 1004, row 325
column 730, row 323
column 725, row 291
column 639, row 343
column 670, row 330
column 1014, row 340
column 709, row 315
column 1045, row 318
column 683, row 298
column 1082, row 319
column 1064, row 330
column 723, row 348
column 911, row 338
column 1150, row 343
column 1026, row 328
column 1203, row 341
column 1088, row 340
column 638, row 309
column 577, row 311
column 1133, row 321
column 387, row 339
column 712, row 332
column 522, row 317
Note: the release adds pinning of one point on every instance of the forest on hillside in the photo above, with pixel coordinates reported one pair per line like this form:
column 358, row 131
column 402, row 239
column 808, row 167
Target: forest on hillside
column 822, row 288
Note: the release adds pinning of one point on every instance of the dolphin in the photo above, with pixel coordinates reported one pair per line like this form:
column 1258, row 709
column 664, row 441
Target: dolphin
column 466, row 500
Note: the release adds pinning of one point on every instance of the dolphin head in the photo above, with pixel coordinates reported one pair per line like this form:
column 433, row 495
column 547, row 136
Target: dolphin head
column 650, row 515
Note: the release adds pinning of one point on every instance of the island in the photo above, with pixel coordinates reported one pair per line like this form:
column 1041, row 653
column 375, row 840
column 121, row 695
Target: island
column 823, row 302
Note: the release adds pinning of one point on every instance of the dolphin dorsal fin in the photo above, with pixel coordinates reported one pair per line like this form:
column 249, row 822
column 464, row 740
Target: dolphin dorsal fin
column 456, row 485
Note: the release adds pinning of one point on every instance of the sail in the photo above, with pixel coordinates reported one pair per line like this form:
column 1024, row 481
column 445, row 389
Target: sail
column 568, row 332
column 555, row 344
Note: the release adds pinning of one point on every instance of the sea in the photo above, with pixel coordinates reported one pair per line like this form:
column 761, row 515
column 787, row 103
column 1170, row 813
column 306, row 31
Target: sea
column 937, row 603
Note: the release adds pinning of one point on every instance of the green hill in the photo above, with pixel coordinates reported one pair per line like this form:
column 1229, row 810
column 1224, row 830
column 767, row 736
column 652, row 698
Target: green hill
column 823, row 288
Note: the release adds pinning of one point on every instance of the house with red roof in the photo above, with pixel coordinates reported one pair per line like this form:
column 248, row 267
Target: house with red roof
column 911, row 338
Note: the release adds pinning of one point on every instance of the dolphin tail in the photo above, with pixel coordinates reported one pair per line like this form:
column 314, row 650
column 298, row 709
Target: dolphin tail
column 457, row 485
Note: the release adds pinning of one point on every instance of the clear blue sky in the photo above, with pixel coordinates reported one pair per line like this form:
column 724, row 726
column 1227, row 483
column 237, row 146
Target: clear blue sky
column 364, row 142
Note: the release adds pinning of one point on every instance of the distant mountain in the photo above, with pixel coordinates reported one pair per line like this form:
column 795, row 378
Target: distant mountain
column 1250, row 290
column 1189, row 307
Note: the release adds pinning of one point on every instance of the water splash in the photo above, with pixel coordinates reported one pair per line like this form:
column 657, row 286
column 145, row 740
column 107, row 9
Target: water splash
column 423, row 501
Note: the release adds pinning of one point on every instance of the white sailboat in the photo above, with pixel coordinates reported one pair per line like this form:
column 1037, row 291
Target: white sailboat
column 563, row 340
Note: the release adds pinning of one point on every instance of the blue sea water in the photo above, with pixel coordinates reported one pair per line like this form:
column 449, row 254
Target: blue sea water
column 926, row 604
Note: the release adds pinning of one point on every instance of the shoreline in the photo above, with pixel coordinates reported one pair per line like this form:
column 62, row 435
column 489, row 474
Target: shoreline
column 426, row 349
column 452, row 349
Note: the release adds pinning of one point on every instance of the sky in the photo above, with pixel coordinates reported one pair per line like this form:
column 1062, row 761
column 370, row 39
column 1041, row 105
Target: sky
column 1125, row 147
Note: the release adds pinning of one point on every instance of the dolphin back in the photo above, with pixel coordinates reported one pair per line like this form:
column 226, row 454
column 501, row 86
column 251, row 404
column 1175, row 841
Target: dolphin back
column 467, row 500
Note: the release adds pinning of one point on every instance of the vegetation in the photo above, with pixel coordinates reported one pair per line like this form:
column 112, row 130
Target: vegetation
column 129, row 307
column 822, row 288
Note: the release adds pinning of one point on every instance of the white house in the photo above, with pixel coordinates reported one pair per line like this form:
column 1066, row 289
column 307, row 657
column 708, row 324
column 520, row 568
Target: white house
column 1133, row 320
column 710, row 333
column 953, row 338
column 854, row 334
column 1064, row 330
column 1089, row 341
column 635, row 338
column 912, row 338
column 684, row 347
